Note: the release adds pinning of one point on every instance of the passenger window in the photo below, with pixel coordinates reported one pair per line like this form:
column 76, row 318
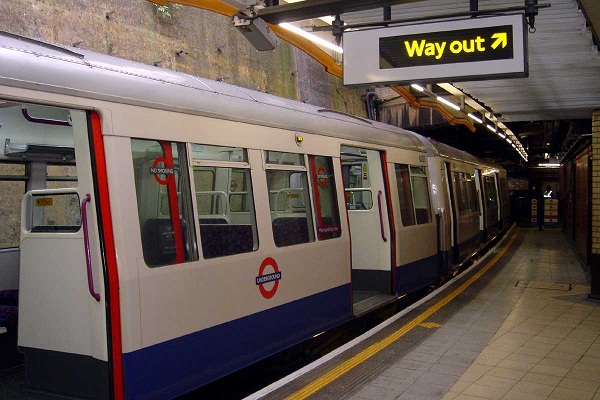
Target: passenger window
column 238, row 191
column 13, row 180
column 291, row 215
column 61, row 176
column 164, row 202
column 54, row 212
column 420, row 188
column 224, row 200
column 490, row 188
column 413, row 195
column 37, row 154
column 405, row 195
column 355, row 170
column 325, row 199
column 472, row 194
column 460, row 188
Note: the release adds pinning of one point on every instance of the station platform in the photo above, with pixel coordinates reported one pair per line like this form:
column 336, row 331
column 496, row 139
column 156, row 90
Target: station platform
column 516, row 325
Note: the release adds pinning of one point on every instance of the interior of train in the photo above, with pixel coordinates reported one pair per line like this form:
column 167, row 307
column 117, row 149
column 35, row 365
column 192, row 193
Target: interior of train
column 38, row 153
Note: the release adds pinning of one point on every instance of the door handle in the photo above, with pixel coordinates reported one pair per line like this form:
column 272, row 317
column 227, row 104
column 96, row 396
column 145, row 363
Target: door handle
column 86, row 242
column 379, row 194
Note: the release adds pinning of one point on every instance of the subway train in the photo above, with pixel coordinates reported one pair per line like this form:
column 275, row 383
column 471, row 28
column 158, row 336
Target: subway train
column 161, row 230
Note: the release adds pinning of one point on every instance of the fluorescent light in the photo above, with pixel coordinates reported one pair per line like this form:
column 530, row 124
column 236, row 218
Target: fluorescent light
column 449, row 103
column 418, row 87
column 491, row 128
column 508, row 141
column 311, row 37
column 549, row 165
column 473, row 117
column 502, row 135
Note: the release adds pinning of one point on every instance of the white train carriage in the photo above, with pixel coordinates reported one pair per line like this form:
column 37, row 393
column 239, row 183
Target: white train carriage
column 175, row 229
column 471, row 202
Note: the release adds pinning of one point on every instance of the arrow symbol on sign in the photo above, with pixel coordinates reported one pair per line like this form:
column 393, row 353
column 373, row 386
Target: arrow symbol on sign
column 501, row 39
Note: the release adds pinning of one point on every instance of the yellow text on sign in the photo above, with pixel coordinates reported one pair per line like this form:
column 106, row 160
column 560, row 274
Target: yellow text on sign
column 420, row 48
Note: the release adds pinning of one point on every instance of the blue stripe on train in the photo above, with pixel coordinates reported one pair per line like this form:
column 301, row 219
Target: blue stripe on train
column 416, row 275
column 177, row 366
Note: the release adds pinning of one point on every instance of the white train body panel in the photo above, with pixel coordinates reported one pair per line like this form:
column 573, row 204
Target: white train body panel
column 135, row 327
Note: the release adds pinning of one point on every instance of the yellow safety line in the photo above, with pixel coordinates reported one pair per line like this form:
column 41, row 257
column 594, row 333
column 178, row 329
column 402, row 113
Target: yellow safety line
column 382, row 344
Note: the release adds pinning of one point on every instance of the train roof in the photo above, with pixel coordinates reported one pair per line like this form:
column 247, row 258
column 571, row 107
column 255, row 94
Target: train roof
column 37, row 65
column 437, row 149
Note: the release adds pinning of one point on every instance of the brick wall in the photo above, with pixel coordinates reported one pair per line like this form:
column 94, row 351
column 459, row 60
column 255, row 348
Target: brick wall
column 595, row 258
column 596, row 182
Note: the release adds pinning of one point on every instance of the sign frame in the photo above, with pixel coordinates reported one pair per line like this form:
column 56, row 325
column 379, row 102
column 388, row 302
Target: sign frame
column 361, row 62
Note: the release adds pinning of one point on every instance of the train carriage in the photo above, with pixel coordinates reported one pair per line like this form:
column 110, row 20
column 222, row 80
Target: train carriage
column 174, row 229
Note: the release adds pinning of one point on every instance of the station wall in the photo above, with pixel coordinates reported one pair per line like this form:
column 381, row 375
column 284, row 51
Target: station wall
column 181, row 38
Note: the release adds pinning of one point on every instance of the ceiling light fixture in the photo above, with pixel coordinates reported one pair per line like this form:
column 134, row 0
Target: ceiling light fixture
column 475, row 118
column 448, row 103
column 311, row 37
column 418, row 87
column 491, row 128
column 549, row 165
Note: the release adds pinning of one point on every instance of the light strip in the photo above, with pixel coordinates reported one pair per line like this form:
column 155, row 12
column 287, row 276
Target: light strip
column 491, row 128
column 549, row 165
column 418, row 87
column 474, row 118
column 449, row 103
column 311, row 37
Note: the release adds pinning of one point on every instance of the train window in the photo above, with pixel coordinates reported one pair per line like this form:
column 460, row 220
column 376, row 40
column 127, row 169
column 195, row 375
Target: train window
column 325, row 199
column 224, row 200
column 291, row 215
column 460, row 186
column 61, row 176
column 472, row 199
column 357, row 185
column 238, row 191
column 413, row 195
column 466, row 193
column 420, row 188
column 405, row 195
column 280, row 158
column 164, row 202
column 13, row 181
column 219, row 153
column 55, row 212
column 204, row 181
column 490, row 190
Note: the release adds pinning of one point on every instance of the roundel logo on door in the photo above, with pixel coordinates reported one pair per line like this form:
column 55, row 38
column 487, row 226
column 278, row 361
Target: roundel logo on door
column 268, row 278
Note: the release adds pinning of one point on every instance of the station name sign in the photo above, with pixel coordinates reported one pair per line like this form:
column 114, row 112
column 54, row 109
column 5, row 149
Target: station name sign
column 473, row 49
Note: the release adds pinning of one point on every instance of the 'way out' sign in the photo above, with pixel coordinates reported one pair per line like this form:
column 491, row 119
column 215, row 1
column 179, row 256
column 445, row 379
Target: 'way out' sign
column 477, row 48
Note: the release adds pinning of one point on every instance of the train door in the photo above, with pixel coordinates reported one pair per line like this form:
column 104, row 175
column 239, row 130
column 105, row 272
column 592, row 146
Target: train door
column 453, row 224
column 482, row 209
column 491, row 203
column 366, row 200
column 62, row 312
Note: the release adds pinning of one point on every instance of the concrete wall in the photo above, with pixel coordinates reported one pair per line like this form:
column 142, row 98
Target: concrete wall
column 190, row 40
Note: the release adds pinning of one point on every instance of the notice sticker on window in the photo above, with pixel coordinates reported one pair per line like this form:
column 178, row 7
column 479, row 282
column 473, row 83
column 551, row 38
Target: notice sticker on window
column 44, row 202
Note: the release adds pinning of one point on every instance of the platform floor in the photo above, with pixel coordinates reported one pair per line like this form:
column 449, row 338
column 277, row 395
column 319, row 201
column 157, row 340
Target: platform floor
column 518, row 325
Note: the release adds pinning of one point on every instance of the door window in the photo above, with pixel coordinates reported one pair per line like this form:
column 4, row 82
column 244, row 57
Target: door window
column 289, row 201
column 224, row 200
column 164, row 202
